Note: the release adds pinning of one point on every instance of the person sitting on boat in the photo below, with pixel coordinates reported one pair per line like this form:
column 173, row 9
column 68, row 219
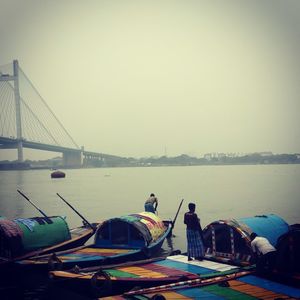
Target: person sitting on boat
column 264, row 252
column 151, row 203
column 195, row 244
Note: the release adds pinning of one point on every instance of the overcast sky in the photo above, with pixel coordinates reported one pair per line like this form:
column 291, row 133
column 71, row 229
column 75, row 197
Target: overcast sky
column 148, row 78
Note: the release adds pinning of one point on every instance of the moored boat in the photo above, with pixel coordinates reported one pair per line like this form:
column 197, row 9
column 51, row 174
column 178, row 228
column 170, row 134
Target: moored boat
column 287, row 266
column 238, row 285
column 58, row 174
column 110, row 280
column 130, row 237
column 24, row 238
column 229, row 240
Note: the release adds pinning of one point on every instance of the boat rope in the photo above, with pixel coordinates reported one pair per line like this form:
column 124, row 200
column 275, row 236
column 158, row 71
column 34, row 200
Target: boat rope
column 105, row 286
column 54, row 263
column 194, row 282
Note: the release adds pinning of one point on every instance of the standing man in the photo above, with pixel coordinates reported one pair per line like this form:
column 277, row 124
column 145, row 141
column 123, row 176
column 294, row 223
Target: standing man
column 195, row 244
column 265, row 253
column 151, row 203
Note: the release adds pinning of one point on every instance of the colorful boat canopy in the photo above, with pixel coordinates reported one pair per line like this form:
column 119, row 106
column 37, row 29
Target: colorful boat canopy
column 229, row 240
column 20, row 236
column 134, row 230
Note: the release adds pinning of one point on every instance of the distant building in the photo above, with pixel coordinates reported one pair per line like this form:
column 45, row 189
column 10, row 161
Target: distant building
column 266, row 153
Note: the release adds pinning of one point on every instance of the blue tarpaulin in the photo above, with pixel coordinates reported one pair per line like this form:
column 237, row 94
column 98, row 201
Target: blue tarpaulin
column 230, row 239
column 269, row 226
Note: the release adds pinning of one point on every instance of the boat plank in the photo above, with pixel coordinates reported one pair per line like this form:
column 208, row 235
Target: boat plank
column 205, row 263
column 256, row 291
column 142, row 272
column 271, row 285
column 225, row 293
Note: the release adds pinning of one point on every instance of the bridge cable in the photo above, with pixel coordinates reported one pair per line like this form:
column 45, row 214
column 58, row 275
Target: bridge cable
column 37, row 119
column 41, row 98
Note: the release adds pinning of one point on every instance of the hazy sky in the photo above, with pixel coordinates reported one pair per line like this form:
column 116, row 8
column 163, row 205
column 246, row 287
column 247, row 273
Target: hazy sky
column 143, row 78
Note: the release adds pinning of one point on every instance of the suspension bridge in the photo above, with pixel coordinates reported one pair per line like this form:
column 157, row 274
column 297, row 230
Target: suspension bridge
column 26, row 121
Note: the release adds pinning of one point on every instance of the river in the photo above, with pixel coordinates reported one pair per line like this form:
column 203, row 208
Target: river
column 220, row 192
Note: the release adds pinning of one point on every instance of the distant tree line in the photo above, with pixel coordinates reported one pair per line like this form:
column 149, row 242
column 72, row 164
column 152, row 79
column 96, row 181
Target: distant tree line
column 181, row 160
column 186, row 160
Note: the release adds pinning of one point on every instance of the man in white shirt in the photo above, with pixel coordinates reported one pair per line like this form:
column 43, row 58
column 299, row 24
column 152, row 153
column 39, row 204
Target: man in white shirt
column 265, row 253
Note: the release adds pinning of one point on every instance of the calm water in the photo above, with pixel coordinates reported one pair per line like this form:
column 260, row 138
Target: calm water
column 218, row 191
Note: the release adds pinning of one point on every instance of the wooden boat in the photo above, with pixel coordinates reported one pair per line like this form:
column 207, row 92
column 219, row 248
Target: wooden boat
column 25, row 238
column 288, row 253
column 169, row 271
column 214, row 281
column 112, row 280
column 232, row 286
column 130, row 237
column 58, row 174
column 229, row 240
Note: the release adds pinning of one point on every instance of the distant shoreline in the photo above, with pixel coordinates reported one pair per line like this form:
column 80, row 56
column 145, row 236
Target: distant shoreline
column 18, row 168
column 216, row 159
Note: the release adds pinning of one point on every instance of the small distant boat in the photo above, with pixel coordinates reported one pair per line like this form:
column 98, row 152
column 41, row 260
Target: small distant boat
column 58, row 174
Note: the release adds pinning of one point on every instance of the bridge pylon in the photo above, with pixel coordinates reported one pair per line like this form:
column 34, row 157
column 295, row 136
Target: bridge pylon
column 72, row 159
column 18, row 110
column 15, row 79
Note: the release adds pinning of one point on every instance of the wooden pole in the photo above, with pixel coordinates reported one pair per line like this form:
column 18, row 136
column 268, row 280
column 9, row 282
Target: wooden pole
column 173, row 223
column 84, row 219
column 33, row 204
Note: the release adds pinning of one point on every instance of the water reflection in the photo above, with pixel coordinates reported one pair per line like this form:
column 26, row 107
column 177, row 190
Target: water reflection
column 10, row 205
column 20, row 178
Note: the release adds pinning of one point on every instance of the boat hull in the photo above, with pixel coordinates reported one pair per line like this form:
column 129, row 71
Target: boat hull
column 79, row 236
column 58, row 174
column 149, row 273
column 91, row 256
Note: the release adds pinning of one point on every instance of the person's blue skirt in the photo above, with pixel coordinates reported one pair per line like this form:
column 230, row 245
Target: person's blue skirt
column 195, row 247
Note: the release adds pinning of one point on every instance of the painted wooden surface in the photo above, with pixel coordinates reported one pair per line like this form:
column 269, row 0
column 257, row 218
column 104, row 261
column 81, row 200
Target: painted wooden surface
column 245, row 287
